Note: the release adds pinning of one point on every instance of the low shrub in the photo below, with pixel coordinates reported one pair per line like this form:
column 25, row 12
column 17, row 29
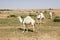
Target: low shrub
column 12, row 16
column 32, row 15
column 23, row 16
column 57, row 19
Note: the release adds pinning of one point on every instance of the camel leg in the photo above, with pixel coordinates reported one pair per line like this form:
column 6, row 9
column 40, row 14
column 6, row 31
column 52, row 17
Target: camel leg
column 40, row 20
column 33, row 28
column 24, row 27
column 27, row 29
column 51, row 17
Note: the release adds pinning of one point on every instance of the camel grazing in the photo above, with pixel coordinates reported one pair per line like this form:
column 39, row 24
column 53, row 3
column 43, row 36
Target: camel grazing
column 27, row 20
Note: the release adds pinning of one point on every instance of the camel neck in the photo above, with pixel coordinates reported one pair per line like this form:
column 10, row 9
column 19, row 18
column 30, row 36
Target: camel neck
column 21, row 20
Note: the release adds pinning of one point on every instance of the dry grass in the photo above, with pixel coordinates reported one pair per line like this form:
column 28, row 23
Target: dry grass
column 9, row 28
column 16, row 34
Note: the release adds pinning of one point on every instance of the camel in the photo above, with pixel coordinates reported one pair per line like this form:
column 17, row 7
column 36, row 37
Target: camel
column 50, row 14
column 40, row 18
column 27, row 20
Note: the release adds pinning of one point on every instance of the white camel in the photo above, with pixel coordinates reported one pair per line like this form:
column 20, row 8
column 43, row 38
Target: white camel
column 27, row 20
column 40, row 18
column 50, row 14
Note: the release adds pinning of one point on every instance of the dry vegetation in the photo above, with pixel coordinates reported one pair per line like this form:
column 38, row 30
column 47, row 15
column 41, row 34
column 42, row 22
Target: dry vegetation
column 10, row 28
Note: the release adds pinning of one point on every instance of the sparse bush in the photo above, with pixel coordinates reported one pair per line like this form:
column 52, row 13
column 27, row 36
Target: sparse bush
column 23, row 16
column 36, row 11
column 57, row 19
column 5, row 10
column 50, row 9
column 30, row 14
column 11, row 16
column 45, row 12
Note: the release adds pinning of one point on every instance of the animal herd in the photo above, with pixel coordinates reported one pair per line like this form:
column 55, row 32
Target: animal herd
column 29, row 20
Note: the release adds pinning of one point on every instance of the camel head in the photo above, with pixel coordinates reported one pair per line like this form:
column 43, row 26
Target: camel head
column 20, row 19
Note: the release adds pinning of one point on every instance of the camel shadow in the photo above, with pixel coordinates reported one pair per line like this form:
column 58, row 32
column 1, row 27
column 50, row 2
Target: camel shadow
column 29, row 30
